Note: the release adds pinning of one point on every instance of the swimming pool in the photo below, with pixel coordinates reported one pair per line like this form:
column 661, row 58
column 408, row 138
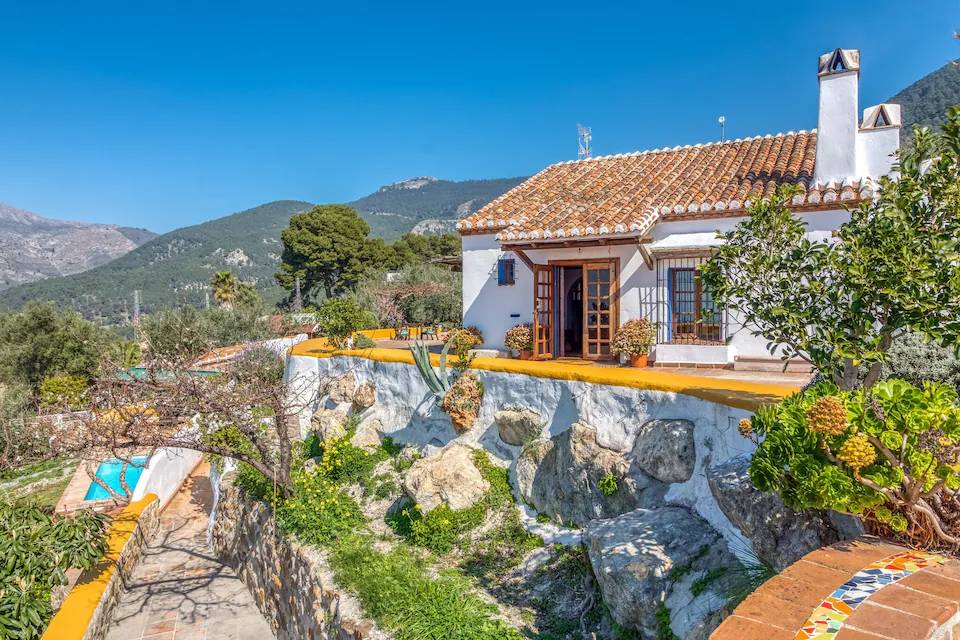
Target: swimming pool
column 109, row 472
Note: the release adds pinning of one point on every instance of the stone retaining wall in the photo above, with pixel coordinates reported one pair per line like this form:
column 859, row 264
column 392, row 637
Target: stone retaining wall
column 291, row 583
column 86, row 613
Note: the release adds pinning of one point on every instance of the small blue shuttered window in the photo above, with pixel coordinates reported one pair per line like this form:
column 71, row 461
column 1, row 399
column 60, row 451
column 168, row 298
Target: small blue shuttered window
column 506, row 272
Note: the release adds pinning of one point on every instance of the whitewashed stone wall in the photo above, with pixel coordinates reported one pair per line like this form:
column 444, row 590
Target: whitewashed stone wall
column 407, row 412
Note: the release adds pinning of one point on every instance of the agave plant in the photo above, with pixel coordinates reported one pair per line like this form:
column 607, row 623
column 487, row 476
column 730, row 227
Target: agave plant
column 437, row 380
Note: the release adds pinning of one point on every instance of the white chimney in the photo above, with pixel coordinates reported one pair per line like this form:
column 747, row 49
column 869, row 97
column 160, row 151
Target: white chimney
column 839, row 75
column 878, row 139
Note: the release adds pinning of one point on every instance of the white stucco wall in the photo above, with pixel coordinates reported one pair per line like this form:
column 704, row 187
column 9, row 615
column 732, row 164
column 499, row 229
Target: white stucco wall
column 165, row 473
column 409, row 414
column 494, row 309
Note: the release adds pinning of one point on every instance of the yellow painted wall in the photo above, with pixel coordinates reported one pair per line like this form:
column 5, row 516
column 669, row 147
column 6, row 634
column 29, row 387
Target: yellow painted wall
column 76, row 612
column 742, row 394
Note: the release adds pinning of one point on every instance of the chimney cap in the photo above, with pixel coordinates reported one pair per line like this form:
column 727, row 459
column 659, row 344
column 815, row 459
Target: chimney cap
column 839, row 61
column 882, row 116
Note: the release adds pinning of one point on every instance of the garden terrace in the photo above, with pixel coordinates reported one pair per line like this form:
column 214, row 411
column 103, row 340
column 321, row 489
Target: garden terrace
column 743, row 390
column 859, row 590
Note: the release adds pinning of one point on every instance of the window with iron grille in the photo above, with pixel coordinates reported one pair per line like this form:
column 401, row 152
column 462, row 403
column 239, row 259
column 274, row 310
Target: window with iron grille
column 506, row 272
column 685, row 309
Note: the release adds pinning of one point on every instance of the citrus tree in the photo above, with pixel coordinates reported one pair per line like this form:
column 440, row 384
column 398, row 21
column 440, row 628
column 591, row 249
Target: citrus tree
column 840, row 302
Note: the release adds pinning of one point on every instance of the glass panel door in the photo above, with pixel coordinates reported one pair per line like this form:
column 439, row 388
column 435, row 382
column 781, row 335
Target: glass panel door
column 599, row 309
column 543, row 312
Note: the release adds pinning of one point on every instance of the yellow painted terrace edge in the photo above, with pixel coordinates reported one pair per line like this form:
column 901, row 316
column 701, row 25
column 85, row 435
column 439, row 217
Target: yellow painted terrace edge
column 76, row 612
column 741, row 394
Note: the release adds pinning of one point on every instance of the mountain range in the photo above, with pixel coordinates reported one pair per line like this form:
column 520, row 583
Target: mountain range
column 33, row 247
column 175, row 268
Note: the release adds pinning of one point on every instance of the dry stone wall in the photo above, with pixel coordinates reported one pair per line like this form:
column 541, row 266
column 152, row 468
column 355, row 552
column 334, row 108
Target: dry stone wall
column 291, row 583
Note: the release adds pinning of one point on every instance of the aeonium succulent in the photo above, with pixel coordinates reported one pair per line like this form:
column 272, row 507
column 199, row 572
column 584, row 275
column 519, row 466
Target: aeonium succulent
column 892, row 450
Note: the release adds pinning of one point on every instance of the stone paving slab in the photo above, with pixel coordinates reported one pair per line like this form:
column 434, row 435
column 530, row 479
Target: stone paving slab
column 180, row 591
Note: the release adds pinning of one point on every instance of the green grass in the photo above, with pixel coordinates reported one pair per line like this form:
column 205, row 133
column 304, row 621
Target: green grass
column 395, row 589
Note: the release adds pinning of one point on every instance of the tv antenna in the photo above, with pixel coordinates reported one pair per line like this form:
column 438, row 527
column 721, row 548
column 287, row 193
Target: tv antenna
column 584, row 136
column 722, row 121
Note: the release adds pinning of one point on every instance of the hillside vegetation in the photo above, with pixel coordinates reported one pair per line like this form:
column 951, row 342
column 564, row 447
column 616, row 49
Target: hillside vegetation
column 925, row 102
column 426, row 204
column 175, row 268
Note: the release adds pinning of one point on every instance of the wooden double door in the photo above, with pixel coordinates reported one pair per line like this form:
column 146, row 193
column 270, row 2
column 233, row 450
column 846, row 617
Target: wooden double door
column 600, row 314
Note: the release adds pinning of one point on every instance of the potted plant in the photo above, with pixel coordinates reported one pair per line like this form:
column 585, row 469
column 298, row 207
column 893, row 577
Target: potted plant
column 520, row 339
column 634, row 339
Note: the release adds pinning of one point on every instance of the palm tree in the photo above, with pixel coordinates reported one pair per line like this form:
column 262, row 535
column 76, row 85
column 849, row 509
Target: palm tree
column 224, row 285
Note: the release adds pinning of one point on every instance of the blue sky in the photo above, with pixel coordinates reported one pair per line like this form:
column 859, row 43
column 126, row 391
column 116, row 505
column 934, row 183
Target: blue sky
column 166, row 114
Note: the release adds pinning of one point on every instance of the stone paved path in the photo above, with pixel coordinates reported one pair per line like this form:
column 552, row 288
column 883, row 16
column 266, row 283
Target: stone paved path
column 180, row 591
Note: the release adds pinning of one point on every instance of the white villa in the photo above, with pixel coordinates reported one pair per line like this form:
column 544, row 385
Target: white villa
column 585, row 245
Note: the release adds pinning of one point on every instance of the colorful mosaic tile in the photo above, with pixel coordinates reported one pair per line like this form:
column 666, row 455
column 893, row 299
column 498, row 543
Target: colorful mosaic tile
column 828, row 618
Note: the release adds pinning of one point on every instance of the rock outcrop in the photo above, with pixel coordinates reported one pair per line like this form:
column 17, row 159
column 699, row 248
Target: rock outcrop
column 364, row 397
column 329, row 424
column 651, row 556
column 560, row 477
column 367, row 436
column 518, row 426
column 341, row 389
column 447, row 477
column 780, row 535
column 665, row 449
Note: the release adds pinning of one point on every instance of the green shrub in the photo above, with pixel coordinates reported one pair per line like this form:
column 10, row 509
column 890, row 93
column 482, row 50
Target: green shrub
column 362, row 341
column 395, row 589
column 319, row 511
column 340, row 461
column 891, row 452
column 608, row 484
column 917, row 361
column 441, row 528
column 37, row 549
column 340, row 318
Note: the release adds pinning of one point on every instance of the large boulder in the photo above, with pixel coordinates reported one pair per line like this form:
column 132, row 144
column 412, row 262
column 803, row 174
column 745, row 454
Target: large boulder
column 560, row 477
column 447, row 477
column 652, row 556
column 780, row 535
column 518, row 426
column 364, row 397
column 329, row 424
column 665, row 449
column 341, row 389
column 367, row 436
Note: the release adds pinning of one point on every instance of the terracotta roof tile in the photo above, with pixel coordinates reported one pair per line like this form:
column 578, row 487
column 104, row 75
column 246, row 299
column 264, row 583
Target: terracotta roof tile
column 628, row 193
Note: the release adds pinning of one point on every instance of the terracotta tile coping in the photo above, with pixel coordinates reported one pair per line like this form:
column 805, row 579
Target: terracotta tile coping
column 857, row 590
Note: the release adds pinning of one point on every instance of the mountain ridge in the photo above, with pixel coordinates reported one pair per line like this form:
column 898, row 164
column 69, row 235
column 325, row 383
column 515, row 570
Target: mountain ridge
column 175, row 268
column 34, row 247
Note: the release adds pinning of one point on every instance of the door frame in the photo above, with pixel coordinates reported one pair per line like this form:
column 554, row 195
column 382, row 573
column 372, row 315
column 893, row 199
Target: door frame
column 614, row 300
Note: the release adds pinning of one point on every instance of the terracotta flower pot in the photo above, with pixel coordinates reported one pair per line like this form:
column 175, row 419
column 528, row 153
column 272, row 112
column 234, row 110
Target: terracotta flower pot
column 638, row 361
column 526, row 355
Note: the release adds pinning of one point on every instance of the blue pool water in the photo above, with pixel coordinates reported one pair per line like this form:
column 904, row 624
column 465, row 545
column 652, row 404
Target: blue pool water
column 109, row 472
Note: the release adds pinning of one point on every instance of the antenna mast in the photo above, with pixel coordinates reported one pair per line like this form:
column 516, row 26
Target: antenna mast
column 584, row 136
column 297, row 297
column 722, row 121
column 136, row 307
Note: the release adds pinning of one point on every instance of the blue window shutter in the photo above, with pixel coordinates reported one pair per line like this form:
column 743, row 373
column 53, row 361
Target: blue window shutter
column 501, row 272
